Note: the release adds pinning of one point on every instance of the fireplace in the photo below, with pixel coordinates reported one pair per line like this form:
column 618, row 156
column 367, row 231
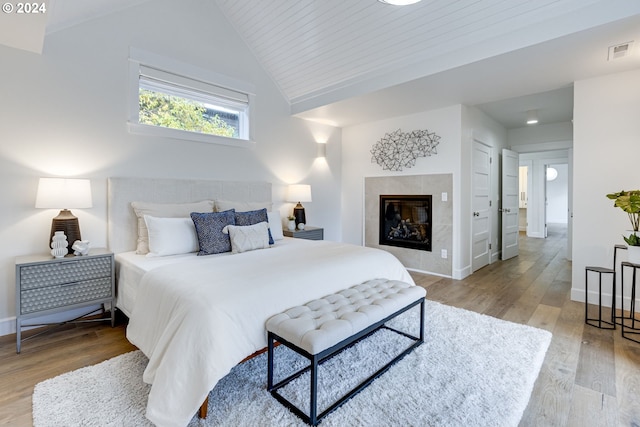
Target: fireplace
column 405, row 221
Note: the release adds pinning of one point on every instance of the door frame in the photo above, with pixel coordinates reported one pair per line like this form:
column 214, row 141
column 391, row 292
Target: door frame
column 509, row 205
column 490, row 218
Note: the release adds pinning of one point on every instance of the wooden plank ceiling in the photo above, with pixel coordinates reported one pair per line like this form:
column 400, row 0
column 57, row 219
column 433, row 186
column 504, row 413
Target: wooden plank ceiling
column 312, row 46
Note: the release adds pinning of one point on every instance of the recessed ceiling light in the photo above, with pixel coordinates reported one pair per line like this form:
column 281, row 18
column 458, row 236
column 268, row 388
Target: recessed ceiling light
column 532, row 117
column 399, row 2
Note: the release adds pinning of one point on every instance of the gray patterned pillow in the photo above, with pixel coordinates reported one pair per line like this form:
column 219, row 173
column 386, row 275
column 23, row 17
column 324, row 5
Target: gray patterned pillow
column 209, row 227
column 254, row 217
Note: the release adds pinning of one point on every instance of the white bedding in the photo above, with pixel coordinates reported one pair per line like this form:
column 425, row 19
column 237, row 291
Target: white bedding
column 130, row 267
column 196, row 319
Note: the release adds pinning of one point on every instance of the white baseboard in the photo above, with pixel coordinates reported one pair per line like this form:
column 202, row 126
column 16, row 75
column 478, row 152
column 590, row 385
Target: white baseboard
column 7, row 326
column 429, row 273
column 461, row 273
column 577, row 294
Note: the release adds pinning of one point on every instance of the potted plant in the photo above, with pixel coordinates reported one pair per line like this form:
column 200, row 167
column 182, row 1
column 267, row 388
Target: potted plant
column 629, row 202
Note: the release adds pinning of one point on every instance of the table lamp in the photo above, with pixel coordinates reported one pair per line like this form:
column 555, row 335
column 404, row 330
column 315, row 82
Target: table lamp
column 64, row 194
column 299, row 193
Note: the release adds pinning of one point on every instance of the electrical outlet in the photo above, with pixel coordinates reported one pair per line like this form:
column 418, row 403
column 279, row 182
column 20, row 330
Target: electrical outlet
column 443, row 253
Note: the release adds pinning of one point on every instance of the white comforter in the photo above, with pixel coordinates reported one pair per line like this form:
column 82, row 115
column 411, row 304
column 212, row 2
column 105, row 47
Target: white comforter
column 197, row 320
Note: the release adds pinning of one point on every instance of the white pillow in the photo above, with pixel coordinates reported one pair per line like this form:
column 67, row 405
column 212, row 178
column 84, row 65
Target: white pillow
column 171, row 236
column 275, row 225
column 163, row 210
column 248, row 237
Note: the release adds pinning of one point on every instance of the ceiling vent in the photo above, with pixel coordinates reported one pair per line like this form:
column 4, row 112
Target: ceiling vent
column 620, row 50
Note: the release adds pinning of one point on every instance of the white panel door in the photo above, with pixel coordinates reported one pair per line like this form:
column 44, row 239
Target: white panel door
column 510, row 203
column 480, row 206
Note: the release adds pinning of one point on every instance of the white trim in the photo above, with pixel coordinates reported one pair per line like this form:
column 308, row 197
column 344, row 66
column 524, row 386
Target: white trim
column 430, row 273
column 461, row 273
column 537, row 235
column 188, row 70
column 8, row 326
column 143, row 129
column 140, row 60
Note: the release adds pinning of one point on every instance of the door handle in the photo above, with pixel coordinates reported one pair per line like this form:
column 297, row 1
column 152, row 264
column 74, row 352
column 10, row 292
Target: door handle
column 476, row 214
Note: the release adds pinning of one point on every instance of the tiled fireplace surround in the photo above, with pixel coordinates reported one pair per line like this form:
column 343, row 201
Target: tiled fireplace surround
column 442, row 218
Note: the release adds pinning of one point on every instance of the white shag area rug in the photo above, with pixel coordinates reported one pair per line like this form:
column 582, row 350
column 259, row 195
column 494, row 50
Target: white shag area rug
column 471, row 370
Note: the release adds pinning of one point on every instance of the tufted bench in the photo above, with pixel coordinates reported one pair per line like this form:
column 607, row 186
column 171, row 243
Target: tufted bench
column 321, row 328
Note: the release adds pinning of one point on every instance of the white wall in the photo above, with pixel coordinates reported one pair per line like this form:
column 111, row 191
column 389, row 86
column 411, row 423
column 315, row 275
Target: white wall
column 536, row 194
column 557, row 195
column 457, row 126
column 541, row 137
column 357, row 142
column 540, row 145
column 64, row 113
column 478, row 126
column 606, row 153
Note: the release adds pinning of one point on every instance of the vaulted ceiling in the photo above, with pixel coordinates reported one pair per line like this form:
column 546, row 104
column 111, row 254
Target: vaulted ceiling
column 347, row 61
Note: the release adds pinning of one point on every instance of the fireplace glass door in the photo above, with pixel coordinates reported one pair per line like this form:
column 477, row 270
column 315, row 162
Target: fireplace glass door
column 405, row 221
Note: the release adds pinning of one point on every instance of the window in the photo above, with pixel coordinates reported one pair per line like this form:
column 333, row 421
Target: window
column 183, row 103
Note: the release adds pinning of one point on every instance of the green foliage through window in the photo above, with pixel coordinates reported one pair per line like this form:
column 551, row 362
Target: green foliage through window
column 160, row 109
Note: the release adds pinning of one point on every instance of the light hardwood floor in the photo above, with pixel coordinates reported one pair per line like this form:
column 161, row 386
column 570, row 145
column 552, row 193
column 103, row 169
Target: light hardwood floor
column 590, row 377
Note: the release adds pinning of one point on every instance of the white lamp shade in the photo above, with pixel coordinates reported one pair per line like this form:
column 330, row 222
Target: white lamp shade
column 63, row 193
column 299, row 193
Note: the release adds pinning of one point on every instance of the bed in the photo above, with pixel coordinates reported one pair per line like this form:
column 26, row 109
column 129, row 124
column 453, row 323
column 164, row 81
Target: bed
column 196, row 317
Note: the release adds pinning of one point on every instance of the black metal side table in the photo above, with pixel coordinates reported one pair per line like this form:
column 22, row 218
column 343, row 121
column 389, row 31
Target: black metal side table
column 630, row 325
column 598, row 322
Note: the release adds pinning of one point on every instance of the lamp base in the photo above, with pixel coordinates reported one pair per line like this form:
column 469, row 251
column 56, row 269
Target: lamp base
column 67, row 223
column 298, row 213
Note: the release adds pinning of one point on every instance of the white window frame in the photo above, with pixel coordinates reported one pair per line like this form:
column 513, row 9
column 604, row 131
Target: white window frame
column 142, row 63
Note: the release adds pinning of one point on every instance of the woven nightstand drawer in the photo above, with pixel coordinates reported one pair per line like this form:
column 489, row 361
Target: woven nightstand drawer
column 64, row 295
column 58, row 273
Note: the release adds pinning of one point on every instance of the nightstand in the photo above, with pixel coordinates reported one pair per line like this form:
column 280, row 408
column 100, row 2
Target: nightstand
column 46, row 285
column 309, row 233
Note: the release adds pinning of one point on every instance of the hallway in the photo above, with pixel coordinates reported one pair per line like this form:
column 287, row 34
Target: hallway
column 590, row 377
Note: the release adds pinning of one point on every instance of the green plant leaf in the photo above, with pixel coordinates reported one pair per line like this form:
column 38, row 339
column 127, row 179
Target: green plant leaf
column 629, row 202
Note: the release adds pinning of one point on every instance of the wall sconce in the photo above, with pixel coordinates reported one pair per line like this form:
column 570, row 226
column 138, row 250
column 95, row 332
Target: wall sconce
column 322, row 150
column 552, row 173
column 532, row 117
column 299, row 193
column 61, row 193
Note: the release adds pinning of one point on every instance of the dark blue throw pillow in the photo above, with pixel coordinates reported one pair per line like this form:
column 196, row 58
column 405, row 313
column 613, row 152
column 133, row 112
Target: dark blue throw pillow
column 209, row 227
column 253, row 217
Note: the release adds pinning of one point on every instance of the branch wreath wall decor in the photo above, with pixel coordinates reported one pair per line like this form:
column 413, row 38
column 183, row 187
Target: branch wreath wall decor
column 397, row 150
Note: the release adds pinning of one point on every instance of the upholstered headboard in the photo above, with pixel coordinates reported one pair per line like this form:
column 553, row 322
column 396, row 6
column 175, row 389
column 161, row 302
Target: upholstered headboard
column 122, row 222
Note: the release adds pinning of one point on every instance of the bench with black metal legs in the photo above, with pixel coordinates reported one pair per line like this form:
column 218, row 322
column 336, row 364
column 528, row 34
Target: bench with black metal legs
column 322, row 328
